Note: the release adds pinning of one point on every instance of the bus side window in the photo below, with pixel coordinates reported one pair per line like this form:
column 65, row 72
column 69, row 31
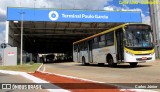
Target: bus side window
column 85, row 46
column 102, row 41
column 109, row 38
column 78, row 47
column 81, row 46
column 95, row 43
column 75, row 48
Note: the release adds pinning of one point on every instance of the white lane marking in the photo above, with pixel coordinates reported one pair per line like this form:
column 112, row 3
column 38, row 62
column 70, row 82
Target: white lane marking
column 40, row 67
column 36, row 80
column 44, row 68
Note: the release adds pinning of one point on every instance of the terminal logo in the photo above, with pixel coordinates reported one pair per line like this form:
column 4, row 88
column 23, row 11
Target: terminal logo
column 53, row 15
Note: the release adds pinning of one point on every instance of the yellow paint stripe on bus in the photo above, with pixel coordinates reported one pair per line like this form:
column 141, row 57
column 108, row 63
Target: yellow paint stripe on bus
column 90, row 37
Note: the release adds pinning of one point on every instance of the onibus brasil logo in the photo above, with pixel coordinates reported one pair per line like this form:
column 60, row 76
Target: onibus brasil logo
column 53, row 15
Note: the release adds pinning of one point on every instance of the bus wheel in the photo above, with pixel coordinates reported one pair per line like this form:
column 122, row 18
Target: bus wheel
column 84, row 61
column 110, row 62
column 134, row 64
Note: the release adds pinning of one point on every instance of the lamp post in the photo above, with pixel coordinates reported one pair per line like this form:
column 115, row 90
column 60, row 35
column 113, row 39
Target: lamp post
column 21, row 51
column 3, row 46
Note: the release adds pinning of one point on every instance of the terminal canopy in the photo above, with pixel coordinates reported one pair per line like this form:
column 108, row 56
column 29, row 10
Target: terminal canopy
column 52, row 30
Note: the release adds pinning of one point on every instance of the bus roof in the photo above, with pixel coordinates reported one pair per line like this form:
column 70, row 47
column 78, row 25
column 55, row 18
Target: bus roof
column 101, row 33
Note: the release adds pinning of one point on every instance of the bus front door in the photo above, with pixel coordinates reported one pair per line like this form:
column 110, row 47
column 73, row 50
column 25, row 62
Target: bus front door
column 120, row 49
column 78, row 54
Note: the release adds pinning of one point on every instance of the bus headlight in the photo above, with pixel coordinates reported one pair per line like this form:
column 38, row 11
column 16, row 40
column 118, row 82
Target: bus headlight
column 129, row 53
column 151, row 54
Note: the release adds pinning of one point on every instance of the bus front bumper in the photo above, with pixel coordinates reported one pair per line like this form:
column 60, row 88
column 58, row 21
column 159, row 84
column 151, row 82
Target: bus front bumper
column 139, row 58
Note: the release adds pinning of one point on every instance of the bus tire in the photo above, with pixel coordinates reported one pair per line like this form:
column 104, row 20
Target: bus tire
column 134, row 64
column 84, row 61
column 110, row 61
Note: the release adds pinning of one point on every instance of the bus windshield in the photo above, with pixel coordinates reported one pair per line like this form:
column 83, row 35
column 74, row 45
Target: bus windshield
column 138, row 38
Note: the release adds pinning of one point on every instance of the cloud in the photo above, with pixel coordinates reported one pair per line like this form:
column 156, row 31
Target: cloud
column 2, row 36
column 109, row 8
column 2, row 11
column 64, row 4
column 2, row 15
column 2, row 26
column 2, row 32
column 145, row 19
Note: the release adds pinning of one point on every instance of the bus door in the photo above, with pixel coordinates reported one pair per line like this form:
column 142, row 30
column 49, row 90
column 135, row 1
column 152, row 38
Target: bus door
column 78, row 53
column 90, row 55
column 120, row 48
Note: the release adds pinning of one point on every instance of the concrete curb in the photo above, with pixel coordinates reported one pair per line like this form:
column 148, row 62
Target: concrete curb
column 35, row 80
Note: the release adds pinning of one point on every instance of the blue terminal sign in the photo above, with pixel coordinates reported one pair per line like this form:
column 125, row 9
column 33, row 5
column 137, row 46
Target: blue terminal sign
column 53, row 15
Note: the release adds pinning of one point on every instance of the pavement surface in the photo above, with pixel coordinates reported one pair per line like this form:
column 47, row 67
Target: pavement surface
column 76, row 85
column 148, row 72
column 34, row 84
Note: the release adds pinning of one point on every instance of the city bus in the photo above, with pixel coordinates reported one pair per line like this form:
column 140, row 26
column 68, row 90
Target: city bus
column 127, row 43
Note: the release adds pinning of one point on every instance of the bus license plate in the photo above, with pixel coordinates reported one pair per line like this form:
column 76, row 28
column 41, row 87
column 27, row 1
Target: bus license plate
column 144, row 58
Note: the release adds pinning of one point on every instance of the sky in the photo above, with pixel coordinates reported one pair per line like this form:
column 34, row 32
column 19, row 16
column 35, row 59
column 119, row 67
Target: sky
column 108, row 5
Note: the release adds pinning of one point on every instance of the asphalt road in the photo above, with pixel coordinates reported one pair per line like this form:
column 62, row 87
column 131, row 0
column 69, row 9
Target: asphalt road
column 148, row 72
